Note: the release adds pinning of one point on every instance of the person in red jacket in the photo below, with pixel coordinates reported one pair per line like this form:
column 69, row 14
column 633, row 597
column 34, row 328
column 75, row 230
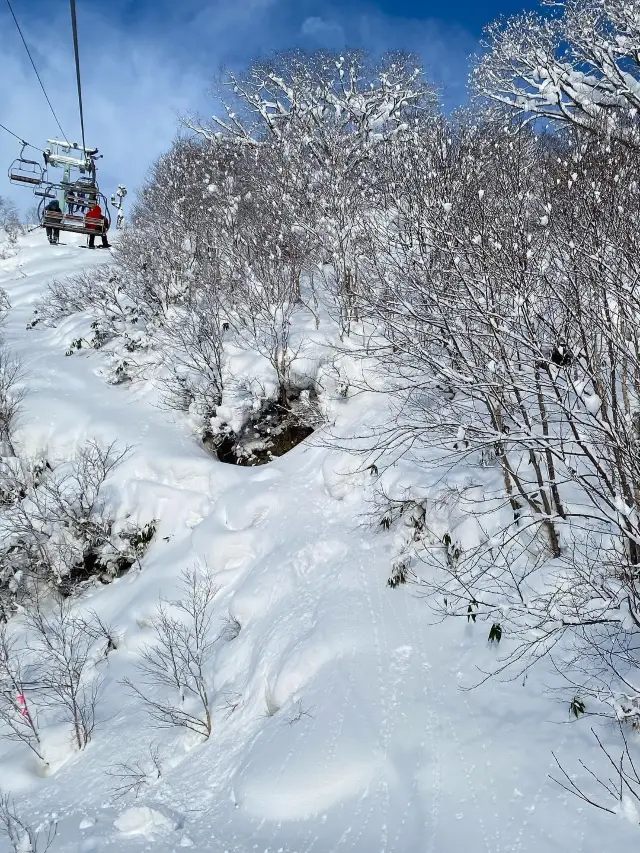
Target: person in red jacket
column 94, row 220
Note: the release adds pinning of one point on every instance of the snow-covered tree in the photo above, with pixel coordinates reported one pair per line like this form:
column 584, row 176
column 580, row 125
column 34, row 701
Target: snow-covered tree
column 328, row 114
column 501, row 299
column 9, row 218
column 578, row 65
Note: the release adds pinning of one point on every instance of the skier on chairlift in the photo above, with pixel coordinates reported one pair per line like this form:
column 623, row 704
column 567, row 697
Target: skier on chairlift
column 77, row 202
column 53, row 212
column 94, row 220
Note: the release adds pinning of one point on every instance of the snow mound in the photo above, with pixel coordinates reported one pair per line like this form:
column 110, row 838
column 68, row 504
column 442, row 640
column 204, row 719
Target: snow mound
column 141, row 820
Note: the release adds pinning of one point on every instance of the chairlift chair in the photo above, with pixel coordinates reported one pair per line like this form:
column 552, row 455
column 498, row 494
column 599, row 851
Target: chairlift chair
column 24, row 171
column 77, row 223
column 82, row 193
column 45, row 190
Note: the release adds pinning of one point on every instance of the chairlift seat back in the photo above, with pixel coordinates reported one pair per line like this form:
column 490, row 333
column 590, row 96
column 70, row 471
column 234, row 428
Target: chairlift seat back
column 24, row 171
column 24, row 179
column 73, row 224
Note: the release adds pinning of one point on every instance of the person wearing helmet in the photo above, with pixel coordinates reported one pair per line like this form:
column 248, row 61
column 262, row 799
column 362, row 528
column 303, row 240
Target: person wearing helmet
column 53, row 213
column 95, row 221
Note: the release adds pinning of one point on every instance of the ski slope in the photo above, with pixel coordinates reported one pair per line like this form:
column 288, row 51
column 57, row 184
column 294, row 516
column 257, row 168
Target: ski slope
column 352, row 731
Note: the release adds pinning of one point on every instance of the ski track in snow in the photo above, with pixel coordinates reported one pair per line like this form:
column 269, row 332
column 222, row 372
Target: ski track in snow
column 388, row 754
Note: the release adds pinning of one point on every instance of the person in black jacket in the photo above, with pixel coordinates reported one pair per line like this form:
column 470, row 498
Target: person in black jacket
column 52, row 212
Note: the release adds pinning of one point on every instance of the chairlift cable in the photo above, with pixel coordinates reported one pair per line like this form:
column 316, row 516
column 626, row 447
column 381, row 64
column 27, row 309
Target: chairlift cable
column 15, row 135
column 13, row 14
column 20, row 139
column 74, row 26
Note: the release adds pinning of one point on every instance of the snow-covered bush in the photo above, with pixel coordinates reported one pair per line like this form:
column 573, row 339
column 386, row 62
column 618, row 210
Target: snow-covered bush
column 98, row 291
column 193, row 358
column 9, row 218
column 174, row 681
column 132, row 777
column 12, row 391
column 47, row 673
column 57, row 528
column 66, row 686
column 10, row 227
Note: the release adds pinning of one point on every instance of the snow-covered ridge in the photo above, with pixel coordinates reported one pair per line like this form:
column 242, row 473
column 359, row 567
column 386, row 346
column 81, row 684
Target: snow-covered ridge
column 338, row 719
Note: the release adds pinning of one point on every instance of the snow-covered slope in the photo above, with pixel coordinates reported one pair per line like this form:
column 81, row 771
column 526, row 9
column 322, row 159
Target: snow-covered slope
column 350, row 731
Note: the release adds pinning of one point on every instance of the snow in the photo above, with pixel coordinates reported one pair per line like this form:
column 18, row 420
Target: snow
column 628, row 810
column 592, row 403
column 141, row 820
column 349, row 730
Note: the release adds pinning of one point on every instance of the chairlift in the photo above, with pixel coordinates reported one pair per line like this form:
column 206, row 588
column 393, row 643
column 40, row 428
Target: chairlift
column 80, row 198
column 24, row 171
column 76, row 223
column 77, row 194
column 81, row 195
column 45, row 191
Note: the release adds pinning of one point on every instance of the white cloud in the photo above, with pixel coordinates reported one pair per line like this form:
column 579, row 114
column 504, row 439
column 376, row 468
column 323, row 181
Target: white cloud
column 326, row 32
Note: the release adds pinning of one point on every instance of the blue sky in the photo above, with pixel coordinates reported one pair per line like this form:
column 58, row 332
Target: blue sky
column 147, row 62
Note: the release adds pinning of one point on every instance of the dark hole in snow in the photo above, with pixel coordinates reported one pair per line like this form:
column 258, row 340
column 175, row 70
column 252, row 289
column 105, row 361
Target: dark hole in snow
column 268, row 435
column 91, row 569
